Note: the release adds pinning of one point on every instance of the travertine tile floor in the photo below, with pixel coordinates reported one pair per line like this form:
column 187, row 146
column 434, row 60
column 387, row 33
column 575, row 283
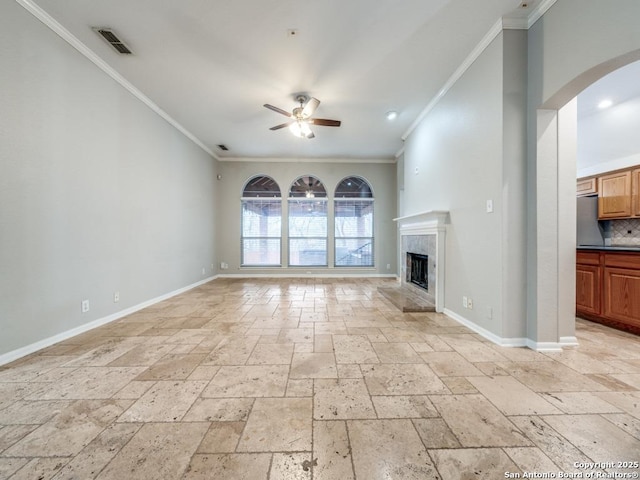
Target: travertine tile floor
column 313, row 379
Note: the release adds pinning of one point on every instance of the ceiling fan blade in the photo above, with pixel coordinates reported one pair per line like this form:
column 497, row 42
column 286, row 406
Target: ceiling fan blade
column 324, row 122
column 283, row 125
column 276, row 109
column 310, row 107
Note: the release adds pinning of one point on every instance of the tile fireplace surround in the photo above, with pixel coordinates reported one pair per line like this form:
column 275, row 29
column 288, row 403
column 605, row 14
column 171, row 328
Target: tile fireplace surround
column 424, row 233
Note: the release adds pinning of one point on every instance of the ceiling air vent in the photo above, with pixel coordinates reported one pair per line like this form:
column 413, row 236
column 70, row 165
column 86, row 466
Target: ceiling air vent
column 113, row 40
column 223, row 148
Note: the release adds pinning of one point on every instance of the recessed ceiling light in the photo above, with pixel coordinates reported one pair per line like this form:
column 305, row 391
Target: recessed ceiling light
column 605, row 104
column 392, row 115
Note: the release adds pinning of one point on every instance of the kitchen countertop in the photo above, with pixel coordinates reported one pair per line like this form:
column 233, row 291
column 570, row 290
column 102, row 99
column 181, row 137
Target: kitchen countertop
column 615, row 248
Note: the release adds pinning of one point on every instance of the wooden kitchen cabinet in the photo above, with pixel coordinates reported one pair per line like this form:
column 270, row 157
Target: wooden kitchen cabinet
column 614, row 195
column 635, row 192
column 587, row 186
column 608, row 288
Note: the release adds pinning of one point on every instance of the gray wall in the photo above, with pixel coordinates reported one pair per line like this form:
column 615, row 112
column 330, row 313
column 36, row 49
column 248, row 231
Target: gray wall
column 459, row 157
column 381, row 177
column 97, row 193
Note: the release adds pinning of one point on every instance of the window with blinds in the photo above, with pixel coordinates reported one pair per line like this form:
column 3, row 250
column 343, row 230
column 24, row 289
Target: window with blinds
column 307, row 223
column 261, row 223
column 353, row 220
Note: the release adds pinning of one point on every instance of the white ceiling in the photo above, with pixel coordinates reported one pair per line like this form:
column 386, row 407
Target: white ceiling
column 212, row 64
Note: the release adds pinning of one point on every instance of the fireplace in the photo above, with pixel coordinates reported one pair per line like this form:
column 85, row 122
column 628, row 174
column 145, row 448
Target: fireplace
column 418, row 269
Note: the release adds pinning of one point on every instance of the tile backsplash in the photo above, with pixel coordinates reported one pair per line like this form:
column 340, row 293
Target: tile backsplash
column 625, row 232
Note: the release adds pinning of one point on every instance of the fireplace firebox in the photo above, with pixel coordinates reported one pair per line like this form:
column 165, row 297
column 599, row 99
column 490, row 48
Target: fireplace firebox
column 418, row 270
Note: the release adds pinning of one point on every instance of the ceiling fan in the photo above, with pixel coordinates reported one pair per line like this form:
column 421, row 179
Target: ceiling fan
column 301, row 117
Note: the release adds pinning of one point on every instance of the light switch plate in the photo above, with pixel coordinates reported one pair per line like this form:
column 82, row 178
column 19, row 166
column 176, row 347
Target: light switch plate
column 489, row 206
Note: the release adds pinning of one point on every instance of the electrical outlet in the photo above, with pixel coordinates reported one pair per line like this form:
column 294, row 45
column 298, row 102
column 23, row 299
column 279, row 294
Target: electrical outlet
column 489, row 313
column 489, row 206
column 203, row 271
column 84, row 307
column 212, row 267
column 224, row 265
column 388, row 266
column 465, row 302
column 470, row 303
column 116, row 297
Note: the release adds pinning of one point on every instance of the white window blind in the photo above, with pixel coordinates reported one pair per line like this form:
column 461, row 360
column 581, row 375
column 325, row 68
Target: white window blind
column 308, row 232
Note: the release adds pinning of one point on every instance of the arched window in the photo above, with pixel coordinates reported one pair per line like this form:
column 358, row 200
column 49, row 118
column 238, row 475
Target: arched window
column 307, row 222
column 353, row 211
column 261, row 222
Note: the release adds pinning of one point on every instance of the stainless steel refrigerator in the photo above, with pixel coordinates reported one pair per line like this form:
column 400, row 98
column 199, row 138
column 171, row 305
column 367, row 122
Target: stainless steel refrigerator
column 590, row 232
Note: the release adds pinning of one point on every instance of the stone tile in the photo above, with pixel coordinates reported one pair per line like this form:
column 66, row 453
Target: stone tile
column 322, row 343
column 435, row 433
column 626, row 401
column 459, row 385
column 88, row 383
column 232, row 351
column 228, row 466
column 291, row 466
column 219, row 410
column 14, row 391
column 93, row 458
column 40, row 468
column 157, row 450
column 70, row 431
column 582, row 362
column 632, row 379
column 396, row 353
column 166, row 401
column 624, row 422
column 342, row 399
column 271, row 354
column 402, row 379
column 313, row 365
column 222, row 437
column 278, row 424
column 203, row 373
column 389, row 448
column 8, row 466
column 397, row 406
column 331, row 448
column 551, row 443
column 531, row 459
column 103, row 355
column 449, row 364
column 172, row 367
column 477, row 423
column 595, row 436
column 299, row 387
column 31, row 412
column 551, row 377
column 354, row 349
column 511, row 397
column 141, row 356
column 12, row 433
column 473, row 463
column 249, row 381
column 296, row 335
column 134, row 390
column 349, row 370
column 579, row 402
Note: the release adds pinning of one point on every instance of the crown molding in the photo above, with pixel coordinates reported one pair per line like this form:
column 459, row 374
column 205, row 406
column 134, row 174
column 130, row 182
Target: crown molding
column 72, row 40
column 306, row 160
column 495, row 30
column 539, row 11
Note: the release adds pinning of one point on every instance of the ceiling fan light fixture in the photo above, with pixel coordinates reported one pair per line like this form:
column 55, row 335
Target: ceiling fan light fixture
column 300, row 129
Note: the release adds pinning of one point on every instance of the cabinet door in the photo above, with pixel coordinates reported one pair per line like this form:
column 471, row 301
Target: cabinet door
column 622, row 295
column 614, row 195
column 587, row 187
column 635, row 196
column 588, row 289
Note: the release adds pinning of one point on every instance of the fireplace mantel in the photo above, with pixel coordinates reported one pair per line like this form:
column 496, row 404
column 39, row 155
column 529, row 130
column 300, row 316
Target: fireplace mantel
column 429, row 223
column 430, row 220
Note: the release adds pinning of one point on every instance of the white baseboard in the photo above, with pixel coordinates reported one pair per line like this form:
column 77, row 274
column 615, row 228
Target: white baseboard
column 513, row 342
column 47, row 342
column 503, row 342
column 307, row 275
